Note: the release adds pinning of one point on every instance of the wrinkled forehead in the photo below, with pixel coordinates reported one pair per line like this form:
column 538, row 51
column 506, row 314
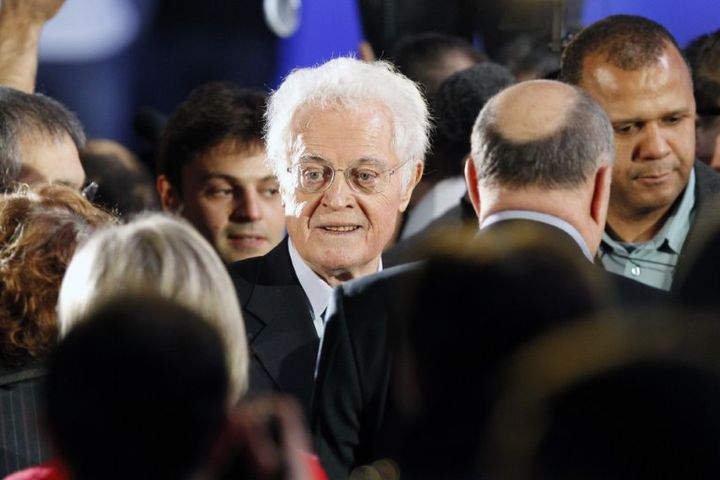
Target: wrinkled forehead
column 354, row 126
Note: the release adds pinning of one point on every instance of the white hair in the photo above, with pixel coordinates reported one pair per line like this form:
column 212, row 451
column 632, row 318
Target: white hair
column 350, row 83
column 162, row 254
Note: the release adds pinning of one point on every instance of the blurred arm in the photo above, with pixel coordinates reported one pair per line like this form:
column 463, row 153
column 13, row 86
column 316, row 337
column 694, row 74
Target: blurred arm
column 21, row 22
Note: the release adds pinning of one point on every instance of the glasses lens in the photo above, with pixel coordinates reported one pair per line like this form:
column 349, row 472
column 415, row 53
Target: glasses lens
column 89, row 191
column 314, row 177
column 367, row 179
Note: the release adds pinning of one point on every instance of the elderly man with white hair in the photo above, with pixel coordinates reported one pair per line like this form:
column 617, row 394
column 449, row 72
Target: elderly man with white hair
column 347, row 141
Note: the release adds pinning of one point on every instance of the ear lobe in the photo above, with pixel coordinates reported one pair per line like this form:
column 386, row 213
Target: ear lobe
column 169, row 196
column 472, row 185
column 407, row 192
column 601, row 196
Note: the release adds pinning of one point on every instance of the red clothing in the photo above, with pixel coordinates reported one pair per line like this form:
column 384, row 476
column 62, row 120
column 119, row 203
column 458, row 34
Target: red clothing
column 54, row 471
column 49, row 471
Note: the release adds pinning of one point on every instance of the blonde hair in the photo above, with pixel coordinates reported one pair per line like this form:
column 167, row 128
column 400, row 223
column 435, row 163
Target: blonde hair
column 164, row 254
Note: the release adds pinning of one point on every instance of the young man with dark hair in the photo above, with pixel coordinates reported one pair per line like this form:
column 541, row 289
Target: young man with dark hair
column 212, row 171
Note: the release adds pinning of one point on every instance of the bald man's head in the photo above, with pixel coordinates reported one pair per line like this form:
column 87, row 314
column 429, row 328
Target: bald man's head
column 541, row 134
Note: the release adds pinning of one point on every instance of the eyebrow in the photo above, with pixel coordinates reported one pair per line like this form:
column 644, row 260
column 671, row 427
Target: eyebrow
column 312, row 157
column 679, row 111
column 232, row 179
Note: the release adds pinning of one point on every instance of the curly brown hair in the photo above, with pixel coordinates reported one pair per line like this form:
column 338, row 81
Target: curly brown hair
column 39, row 230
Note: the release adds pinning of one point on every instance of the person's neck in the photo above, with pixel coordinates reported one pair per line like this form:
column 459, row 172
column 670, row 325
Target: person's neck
column 338, row 276
column 636, row 228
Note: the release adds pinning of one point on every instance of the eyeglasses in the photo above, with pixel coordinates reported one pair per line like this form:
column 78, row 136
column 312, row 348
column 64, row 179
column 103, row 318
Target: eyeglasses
column 89, row 191
column 367, row 178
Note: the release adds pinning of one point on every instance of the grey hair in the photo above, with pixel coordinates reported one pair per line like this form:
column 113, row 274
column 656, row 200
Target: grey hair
column 163, row 254
column 566, row 158
column 350, row 83
column 26, row 114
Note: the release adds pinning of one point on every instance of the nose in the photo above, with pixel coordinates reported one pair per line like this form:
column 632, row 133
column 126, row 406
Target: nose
column 247, row 207
column 654, row 145
column 339, row 194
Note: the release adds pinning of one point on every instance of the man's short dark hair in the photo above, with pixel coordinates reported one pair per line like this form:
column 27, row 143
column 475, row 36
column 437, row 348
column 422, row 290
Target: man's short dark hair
column 629, row 42
column 25, row 114
column 703, row 54
column 137, row 390
column 418, row 56
column 457, row 104
column 212, row 114
column 563, row 159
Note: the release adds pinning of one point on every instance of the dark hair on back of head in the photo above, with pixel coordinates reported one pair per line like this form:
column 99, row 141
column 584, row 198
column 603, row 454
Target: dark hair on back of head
column 456, row 105
column 213, row 113
column 703, row 54
column 137, row 390
column 629, row 42
column 416, row 56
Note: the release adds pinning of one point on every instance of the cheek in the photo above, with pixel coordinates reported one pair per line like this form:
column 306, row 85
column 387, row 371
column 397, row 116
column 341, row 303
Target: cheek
column 624, row 151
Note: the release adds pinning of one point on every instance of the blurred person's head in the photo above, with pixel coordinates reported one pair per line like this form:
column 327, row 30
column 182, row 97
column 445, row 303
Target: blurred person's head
column 160, row 254
column 703, row 53
column 530, row 282
column 554, row 158
column 125, row 184
column 40, row 228
column 212, row 170
column 429, row 58
column 634, row 69
column 614, row 397
column 347, row 141
column 456, row 105
column 138, row 389
column 529, row 57
column 39, row 141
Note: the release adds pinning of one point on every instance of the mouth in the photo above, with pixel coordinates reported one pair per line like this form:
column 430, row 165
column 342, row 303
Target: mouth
column 653, row 177
column 339, row 228
column 247, row 240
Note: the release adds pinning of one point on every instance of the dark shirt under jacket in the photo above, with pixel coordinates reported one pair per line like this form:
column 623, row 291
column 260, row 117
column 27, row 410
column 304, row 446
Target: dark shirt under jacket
column 354, row 418
column 283, row 341
column 22, row 443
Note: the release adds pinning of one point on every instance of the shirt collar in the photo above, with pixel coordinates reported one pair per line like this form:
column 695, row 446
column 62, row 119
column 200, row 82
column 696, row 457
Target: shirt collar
column 678, row 224
column 542, row 218
column 675, row 228
column 316, row 289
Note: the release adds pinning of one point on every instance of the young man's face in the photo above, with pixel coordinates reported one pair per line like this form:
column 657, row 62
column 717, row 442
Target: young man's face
column 231, row 196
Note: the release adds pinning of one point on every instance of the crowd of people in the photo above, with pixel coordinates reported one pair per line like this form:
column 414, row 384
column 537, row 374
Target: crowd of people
column 426, row 267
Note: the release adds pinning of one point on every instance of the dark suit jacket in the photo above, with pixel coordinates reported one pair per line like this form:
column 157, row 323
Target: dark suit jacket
column 22, row 443
column 283, row 341
column 354, row 418
column 707, row 187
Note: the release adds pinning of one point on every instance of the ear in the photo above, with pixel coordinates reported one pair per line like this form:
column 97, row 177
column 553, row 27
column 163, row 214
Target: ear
column 472, row 185
column 412, row 183
column 169, row 195
column 601, row 196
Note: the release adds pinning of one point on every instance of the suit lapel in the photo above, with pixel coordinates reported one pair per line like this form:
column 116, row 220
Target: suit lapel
column 280, row 327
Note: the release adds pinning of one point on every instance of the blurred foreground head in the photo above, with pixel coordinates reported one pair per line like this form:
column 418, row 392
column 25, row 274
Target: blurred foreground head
column 491, row 294
column 615, row 397
column 164, row 255
column 39, row 230
column 138, row 390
